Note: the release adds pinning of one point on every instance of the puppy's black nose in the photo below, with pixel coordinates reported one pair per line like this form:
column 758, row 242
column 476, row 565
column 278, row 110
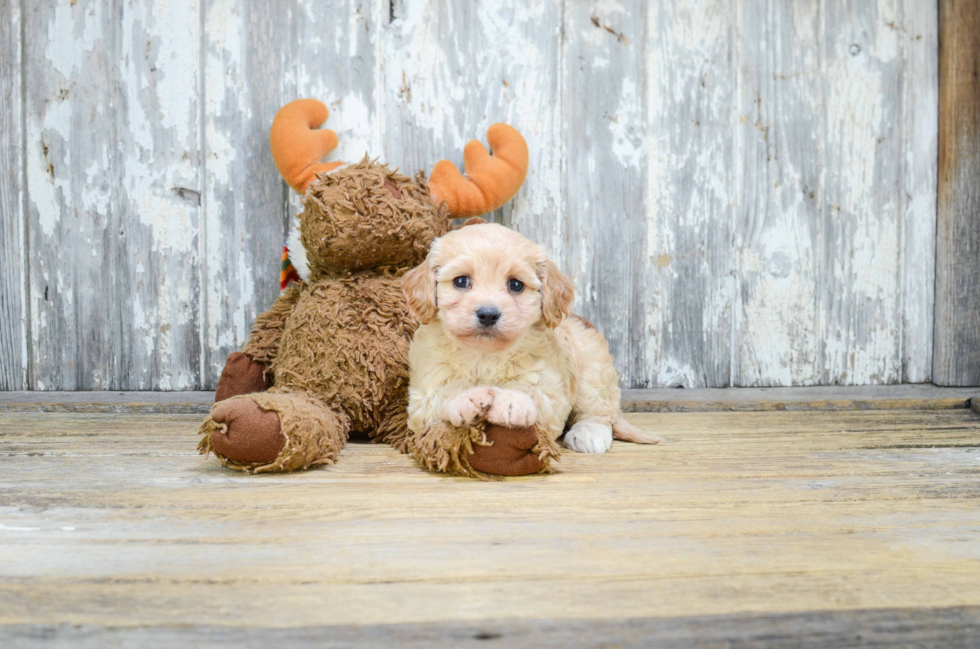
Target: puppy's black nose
column 488, row 315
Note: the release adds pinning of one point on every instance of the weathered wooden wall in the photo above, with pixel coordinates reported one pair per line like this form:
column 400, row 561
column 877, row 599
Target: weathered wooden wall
column 743, row 190
column 957, row 339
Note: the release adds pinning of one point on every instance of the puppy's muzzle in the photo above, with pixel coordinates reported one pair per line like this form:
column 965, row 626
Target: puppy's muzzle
column 488, row 316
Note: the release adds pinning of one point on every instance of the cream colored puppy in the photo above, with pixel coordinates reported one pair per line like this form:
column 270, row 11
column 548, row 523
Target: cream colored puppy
column 495, row 344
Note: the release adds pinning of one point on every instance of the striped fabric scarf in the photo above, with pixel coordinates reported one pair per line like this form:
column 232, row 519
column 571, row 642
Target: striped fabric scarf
column 287, row 273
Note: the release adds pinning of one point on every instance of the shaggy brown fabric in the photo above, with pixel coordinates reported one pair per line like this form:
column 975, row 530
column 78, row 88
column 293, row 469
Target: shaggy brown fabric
column 347, row 343
column 246, row 434
column 450, row 449
column 242, row 375
column 366, row 216
column 263, row 345
column 312, row 433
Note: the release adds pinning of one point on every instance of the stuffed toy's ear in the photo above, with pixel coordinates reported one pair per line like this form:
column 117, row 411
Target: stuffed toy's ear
column 297, row 146
column 490, row 180
column 557, row 294
column 476, row 220
column 419, row 286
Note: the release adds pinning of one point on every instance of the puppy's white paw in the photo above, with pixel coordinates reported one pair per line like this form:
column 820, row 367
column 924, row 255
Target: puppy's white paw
column 470, row 405
column 589, row 437
column 513, row 409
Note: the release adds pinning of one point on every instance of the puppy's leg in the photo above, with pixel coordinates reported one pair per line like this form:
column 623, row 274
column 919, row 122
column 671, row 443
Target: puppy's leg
column 589, row 436
column 596, row 414
column 512, row 409
column 468, row 406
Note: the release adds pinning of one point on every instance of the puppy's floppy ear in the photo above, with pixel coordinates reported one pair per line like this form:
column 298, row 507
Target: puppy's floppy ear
column 419, row 286
column 557, row 293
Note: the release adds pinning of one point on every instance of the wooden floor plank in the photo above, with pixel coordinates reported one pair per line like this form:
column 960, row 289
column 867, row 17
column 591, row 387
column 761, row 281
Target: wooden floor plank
column 890, row 627
column 111, row 523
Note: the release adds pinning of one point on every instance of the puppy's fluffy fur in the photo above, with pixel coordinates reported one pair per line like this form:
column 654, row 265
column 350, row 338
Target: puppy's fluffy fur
column 495, row 344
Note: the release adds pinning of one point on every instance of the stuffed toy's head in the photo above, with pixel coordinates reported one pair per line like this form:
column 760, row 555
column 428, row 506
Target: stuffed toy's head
column 365, row 216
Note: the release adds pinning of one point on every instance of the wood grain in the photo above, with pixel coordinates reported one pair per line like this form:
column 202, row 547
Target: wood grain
column 834, row 260
column 890, row 627
column 683, row 277
column 248, row 58
column 604, row 234
column 112, row 172
column 13, row 259
column 739, row 516
column 778, row 234
column 156, row 209
column 920, row 105
column 957, row 316
column 860, row 317
column 72, row 186
column 745, row 193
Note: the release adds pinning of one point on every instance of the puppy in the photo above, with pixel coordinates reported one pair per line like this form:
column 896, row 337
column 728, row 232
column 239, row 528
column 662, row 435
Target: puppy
column 495, row 344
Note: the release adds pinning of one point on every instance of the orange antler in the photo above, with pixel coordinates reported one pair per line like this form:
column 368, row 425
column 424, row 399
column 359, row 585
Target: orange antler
column 490, row 181
column 296, row 147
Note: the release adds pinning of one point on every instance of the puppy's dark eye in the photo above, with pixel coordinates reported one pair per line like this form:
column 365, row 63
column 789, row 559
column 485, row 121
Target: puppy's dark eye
column 515, row 285
column 462, row 282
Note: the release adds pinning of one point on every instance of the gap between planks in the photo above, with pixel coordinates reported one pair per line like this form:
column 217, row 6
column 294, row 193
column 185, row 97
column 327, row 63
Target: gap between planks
column 883, row 397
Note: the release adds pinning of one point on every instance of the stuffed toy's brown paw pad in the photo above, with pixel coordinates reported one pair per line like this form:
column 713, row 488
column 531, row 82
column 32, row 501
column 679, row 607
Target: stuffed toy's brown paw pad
column 246, row 433
column 511, row 452
column 242, row 375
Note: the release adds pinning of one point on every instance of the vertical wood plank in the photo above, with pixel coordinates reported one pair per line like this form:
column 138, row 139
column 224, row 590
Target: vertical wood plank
column 920, row 37
column 157, row 208
column 860, row 279
column 956, row 358
column 680, row 313
column 72, row 187
column 247, row 46
column 453, row 69
column 779, row 138
column 111, row 171
column 13, row 260
column 834, row 274
column 604, row 109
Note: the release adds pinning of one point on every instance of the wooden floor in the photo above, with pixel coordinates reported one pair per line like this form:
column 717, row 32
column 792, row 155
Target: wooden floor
column 778, row 527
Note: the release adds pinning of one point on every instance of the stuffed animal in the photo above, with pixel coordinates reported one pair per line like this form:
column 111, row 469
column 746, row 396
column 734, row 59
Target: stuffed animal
column 330, row 358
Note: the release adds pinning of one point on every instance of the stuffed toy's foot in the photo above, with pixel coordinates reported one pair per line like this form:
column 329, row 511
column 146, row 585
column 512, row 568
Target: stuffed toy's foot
column 483, row 451
column 273, row 431
column 242, row 375
column 511, row 452
column 246, row 433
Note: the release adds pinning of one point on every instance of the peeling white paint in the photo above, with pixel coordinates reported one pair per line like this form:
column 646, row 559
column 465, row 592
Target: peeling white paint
column 67, row 39
column 713, row 124
column 627, row 138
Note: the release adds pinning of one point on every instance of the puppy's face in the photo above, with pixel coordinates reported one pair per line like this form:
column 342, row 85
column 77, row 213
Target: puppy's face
column 487, row 285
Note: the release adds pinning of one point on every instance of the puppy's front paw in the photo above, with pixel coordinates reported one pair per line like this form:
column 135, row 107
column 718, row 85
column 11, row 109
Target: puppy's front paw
column 513, row 409
column 470, row 406
column 589, row 437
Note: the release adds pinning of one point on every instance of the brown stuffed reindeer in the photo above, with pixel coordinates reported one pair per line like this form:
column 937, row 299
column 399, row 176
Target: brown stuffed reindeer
column 330, row 358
